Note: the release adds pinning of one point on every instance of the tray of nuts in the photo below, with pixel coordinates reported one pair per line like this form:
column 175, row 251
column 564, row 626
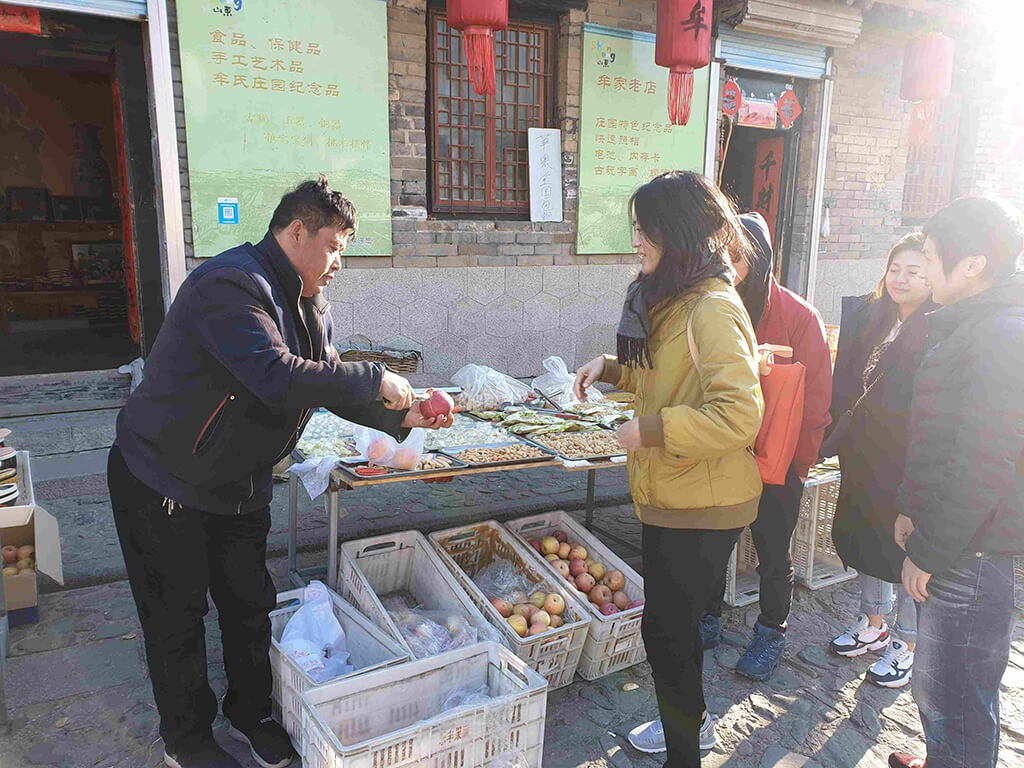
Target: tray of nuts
column 429, row 464
column 499, row 454
column 581, row 446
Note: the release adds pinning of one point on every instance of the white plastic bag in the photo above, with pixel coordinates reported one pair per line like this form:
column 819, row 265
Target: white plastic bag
column 557, row 384
column 314, row 639
column 404, row 455
column 485, row 389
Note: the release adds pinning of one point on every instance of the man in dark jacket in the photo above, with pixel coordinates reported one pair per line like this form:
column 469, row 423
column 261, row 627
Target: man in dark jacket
column 962, row 496
column 242, row 360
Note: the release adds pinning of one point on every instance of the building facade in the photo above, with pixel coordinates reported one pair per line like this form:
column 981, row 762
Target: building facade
column 469, row 276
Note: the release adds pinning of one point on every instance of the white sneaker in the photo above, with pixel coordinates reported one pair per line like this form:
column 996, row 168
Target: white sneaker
column 861, row 638
column 894, row 669
column 650, row 737
column 707, row 732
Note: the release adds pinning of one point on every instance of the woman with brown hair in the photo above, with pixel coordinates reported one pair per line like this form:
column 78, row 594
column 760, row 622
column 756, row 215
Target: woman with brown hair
column 694, row 483
column 881, row 341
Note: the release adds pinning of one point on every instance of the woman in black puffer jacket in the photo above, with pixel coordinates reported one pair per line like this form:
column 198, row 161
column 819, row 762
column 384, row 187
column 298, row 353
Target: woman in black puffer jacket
column 881, row 342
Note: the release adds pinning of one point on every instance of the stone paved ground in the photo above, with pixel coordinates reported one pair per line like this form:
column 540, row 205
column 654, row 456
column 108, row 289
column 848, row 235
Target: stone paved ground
column 79, row 696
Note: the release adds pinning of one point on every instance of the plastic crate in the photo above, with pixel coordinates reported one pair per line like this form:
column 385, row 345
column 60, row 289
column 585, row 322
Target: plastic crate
column 395, row 717
column 371, row 569
column 555, row 654
column 370, row 649
column 613, row 642
column 815, row 561
column 742, row 582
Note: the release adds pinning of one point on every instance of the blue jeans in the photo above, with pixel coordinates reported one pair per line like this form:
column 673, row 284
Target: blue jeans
column 879, row 597
column 963, row 646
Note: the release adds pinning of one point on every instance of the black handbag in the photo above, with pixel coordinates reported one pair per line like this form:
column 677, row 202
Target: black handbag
column 840, row 434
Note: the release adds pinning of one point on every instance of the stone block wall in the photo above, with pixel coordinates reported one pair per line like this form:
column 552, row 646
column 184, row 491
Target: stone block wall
column 509, row 318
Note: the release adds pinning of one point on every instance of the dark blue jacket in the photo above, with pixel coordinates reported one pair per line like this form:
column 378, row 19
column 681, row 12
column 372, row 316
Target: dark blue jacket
column 239, row 365
column 963, row 485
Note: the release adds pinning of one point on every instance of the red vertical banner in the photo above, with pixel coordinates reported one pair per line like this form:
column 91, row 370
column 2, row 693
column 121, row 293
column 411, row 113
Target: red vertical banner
column 18, row 18
column 131, row 286
column 767, row 179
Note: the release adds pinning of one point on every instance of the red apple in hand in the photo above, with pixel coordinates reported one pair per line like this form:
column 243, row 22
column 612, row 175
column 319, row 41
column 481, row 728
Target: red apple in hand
column 438, row 404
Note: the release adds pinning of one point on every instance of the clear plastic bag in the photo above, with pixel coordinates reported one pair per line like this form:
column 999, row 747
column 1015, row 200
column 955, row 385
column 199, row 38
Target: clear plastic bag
column 502, row 580
column 513, row 758
column 314, row 639
column 558, row 382
column 383, row 450
column 429, row 633
column 466, row 697
column 484, row 388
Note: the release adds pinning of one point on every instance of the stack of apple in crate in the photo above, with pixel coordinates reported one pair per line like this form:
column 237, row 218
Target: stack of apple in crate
column 541, row 620
column 612, row 591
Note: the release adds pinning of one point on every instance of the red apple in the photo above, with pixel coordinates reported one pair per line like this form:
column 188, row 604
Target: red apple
column 563, row 568
column 501, row 607
column 621, row 600
column 585, row 582
column 535, row 543
column 614, row 580
column 609, row 608
column 578, row 552
column 554, row 604
column 563, row 550
column 637, row 604
column 577, row 567
column 438, row 404
column 600, row 595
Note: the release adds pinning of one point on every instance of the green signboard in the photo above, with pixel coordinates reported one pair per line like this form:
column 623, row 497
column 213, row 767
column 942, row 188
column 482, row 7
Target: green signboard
column 625, row 134
column 278, row 92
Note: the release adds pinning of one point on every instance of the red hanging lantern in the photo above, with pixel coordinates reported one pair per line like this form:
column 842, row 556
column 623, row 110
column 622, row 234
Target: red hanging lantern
column 683, row 44
column 927, row 76
column 478, row 20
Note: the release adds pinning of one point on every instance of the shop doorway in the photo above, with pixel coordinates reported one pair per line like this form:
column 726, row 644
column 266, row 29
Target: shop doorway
column 74, row 206
column 760, row 150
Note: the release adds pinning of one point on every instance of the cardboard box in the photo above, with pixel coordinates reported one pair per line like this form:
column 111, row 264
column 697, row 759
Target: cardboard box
column 23, row 524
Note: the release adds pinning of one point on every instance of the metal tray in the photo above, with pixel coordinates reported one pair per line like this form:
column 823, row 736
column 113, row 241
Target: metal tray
column 452, row 452
column 600, row 457
column 348, row 466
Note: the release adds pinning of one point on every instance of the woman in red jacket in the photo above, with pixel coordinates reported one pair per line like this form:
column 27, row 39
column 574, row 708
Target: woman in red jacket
column 780, row 317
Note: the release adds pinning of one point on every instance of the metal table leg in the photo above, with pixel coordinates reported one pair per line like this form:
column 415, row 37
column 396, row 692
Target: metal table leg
column 591, row 482
column 332, row 539
column 293, row 529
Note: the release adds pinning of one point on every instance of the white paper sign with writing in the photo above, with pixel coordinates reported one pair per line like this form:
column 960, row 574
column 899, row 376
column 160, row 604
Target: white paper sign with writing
column 545, row 174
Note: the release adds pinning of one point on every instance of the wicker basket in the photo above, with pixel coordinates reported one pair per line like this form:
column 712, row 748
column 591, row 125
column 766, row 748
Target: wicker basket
column 361, row 349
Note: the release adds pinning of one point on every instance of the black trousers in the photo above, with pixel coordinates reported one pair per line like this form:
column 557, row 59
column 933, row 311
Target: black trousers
column 772, row 531
column 680, row 568
column 173, row 560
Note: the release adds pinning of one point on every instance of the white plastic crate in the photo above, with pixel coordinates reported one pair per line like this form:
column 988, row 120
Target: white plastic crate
column 555, row 654
column 371, row 569
column 815, row 560
column 742, row 582
column 370, row 648
column 613, row 642
column 395, row 716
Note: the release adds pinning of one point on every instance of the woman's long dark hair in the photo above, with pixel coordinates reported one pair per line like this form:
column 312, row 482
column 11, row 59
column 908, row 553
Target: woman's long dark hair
column 696, row 227
column 883, row 309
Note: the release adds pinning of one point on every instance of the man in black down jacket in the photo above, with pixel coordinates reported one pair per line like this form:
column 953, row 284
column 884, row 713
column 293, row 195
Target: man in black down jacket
column 242, row 360
column 962, row 496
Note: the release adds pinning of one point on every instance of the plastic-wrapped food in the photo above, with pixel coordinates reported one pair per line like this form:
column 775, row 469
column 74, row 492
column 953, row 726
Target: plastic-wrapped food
column 484, row 388
column 384, row 451
column 466, row 697
column 558, row 383
column 429, row 633
column 501, row 579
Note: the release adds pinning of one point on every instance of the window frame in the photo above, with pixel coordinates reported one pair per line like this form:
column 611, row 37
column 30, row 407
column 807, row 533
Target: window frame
column 920, row 213
column 490, row 207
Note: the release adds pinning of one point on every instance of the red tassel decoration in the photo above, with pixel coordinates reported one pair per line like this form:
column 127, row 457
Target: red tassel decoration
column 680, row 95
column 479, row 42
column 922, row 120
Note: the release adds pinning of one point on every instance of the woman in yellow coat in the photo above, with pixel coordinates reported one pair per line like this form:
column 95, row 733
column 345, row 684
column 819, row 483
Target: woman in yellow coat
column 693, row 480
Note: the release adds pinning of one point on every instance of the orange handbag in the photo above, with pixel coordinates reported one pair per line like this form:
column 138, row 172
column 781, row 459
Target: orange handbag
column 782, row 386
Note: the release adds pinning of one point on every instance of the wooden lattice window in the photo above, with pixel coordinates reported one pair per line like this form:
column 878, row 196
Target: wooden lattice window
column 478, row 150
column 929, row 177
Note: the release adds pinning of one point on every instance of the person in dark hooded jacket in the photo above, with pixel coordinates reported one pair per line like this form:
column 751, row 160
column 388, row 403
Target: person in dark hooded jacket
column 784, row 318
column 961, row 502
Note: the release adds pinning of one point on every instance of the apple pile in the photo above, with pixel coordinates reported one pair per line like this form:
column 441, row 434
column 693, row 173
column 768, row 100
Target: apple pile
column 604, row 588
column 542, row 612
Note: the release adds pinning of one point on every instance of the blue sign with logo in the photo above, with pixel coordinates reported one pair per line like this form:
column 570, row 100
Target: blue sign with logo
column 227, row 210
